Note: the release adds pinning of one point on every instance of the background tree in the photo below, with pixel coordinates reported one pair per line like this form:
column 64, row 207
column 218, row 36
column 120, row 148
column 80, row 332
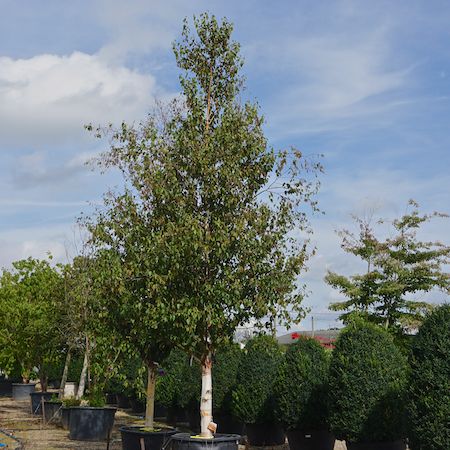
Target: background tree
column 205, row 236
column 400, row 270
column 31, row 298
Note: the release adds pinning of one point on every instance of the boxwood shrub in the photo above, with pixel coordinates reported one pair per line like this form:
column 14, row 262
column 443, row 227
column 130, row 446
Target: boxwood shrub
column 225, row 370
column 252, row 399
column 168, row 385
column 368, row 376
column 429, row 406
column 301, row 387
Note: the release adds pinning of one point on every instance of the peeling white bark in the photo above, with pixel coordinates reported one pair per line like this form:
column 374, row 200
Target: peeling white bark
column 206, row 398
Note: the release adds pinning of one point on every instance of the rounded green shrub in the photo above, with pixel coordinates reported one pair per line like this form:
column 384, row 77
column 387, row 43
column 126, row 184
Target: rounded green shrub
column 368, row 376
column 429, row 405
column 252, row 399
column 301, row 387
column 180, row 381
column 225, row 371
column 168, row 383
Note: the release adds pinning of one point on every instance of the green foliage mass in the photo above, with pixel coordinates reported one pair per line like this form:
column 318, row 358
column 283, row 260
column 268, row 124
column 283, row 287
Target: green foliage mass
column 368, row 376
column 429, row 405
column 31, row 301
column 179, row 384
column 397, row 267
column 301, row 387
column 253, row 399
column 226, row 368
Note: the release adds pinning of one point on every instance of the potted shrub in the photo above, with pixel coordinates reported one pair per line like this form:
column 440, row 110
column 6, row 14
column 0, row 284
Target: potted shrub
column 168, row 392
column 429, row 402
column 91, row 420
column 67, row 404
column 368, row 376
column 253, row 398
column 227, row 361
column 52, row 410
column 202, row 231
column 301, row 391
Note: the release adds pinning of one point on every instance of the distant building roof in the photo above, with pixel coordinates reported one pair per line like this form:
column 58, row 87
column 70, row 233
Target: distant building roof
column 323, row 336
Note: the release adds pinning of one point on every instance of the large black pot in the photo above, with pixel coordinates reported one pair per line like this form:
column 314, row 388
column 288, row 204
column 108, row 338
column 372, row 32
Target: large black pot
column 137, row 405
column 87, row 423
column 36, row 401
column 52, row 412
column 310, row 440
column 123, row 401
column 395, row 445
column 193, row 416
column 5, row 387
column 227, row 424
column 22, row 391
column 65, row 417
column 111, row 399
column 160, row 410
column 175, row 415
column 133, row 437
column 264, row 434
column 184, row 441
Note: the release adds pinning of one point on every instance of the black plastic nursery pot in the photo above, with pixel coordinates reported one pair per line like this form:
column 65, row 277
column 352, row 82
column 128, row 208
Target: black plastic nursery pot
column 88, row 423
column 5, row 387
column 22, row 391
column 136, row 438
column 123, row 401
column 310, row 440
column 184, row 441
column 36, row 401
column 160, row 410
column 265, row 434
column 111, row 399
column 137, row 405
column 65, row 417
column 175, row 415
column 227, row 424
column 52, row 412
column 394, row 445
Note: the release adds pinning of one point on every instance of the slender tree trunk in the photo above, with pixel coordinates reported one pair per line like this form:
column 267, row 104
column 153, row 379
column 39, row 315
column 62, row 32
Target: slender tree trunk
column 62, row 386
column 206, row 398
column 82, row 383
column 150, row 405
column 44, row 382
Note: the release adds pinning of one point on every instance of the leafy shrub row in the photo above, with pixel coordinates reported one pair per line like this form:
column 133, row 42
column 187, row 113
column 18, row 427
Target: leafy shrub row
column 363, row 392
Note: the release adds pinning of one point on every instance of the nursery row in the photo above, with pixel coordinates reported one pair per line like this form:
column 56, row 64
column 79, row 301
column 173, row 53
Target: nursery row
column 369, row 391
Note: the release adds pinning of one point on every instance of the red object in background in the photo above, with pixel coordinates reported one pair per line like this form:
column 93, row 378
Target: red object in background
column 325, row 342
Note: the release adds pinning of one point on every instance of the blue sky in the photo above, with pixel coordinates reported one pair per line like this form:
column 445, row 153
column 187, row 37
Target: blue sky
column 367, row 84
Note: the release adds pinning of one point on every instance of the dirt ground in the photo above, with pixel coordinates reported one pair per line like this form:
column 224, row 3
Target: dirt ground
column 15, row 419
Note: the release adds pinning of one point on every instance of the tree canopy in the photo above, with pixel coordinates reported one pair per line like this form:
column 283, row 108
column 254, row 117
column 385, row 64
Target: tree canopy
column 208, row 232
column 31, row 303
column 400, row 270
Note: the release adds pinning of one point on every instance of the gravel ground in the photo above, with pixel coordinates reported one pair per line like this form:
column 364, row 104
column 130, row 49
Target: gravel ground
column 15, row 418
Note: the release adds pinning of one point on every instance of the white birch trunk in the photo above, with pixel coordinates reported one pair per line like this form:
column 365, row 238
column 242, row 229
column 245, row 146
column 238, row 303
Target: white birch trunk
column 206, row 398
column 150, row 405
column 82, row 384
column 65, row 373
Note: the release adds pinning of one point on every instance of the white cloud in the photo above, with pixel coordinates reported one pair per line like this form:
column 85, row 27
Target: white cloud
column 36, row 242
column 48, row 98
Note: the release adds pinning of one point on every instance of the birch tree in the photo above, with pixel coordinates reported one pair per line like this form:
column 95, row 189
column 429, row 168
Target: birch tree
column 211, row 229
